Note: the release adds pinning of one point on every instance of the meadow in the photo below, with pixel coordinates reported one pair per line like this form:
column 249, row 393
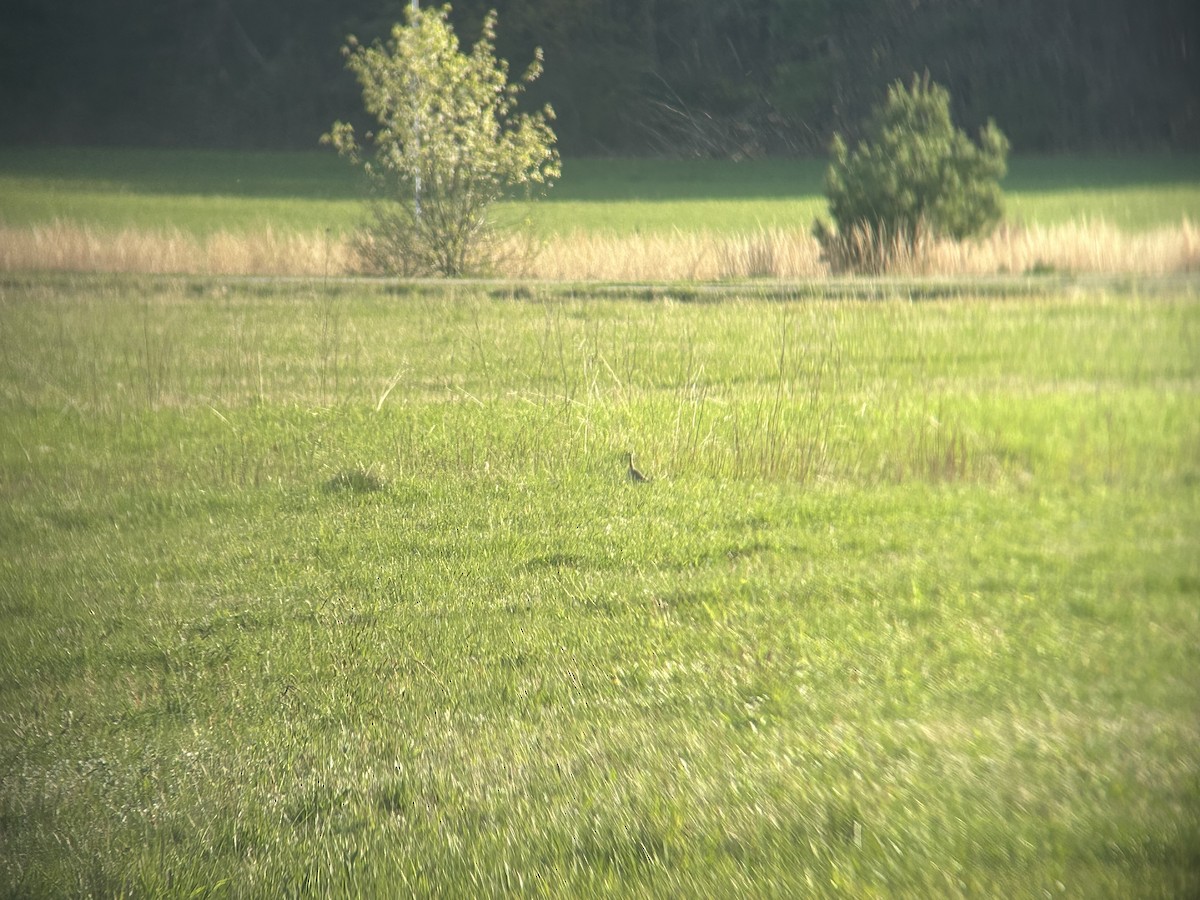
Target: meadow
column 322, row 586
column 203, row 192
column 212, row 213
column 338, row 589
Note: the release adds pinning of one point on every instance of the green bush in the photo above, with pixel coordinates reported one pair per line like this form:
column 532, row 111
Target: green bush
column 914, row 178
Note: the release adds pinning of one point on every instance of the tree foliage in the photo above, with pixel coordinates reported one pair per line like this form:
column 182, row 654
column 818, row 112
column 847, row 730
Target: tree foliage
column 450, row 143
column 726, row 78
column 915, row 176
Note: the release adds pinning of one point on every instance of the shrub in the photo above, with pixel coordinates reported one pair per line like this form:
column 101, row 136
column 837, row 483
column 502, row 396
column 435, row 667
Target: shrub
column 449, row 145
column 915, row 177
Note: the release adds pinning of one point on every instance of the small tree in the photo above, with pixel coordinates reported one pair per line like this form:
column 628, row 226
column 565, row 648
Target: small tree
column 449, row 145
column 915, row 177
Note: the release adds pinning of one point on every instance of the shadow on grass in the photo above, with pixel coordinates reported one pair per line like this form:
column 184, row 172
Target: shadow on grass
column 318, row 175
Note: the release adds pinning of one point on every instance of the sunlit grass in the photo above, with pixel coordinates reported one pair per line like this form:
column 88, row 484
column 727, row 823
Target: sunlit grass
column 343, row 592
column 700, row 255
column 207, row 192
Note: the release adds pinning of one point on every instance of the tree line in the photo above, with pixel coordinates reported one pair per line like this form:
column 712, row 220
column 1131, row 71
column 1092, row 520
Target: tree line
column 721, row 78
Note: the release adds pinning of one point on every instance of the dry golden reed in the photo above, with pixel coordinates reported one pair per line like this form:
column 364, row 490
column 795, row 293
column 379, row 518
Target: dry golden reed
column 785, row 254
column 793, row 254
column 64, row 246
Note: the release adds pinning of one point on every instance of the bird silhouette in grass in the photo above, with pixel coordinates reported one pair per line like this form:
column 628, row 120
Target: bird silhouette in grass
column 632, row 474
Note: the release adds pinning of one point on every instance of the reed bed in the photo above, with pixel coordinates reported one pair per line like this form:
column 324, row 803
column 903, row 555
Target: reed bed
column 793, row 254
column 1081, row 247
column 65, row 246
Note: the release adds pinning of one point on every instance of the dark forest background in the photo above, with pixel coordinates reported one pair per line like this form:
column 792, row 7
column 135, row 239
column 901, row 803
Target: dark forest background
column 723, row 78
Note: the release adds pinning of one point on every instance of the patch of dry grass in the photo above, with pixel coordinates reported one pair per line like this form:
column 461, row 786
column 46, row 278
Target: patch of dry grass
column 1079, row 248
column 65, row 246
column 1076, row 247
column 787, row 254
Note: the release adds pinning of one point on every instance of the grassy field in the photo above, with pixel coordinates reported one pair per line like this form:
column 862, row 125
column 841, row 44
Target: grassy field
column 156, row 212
column 343, row 592
column 206, row 192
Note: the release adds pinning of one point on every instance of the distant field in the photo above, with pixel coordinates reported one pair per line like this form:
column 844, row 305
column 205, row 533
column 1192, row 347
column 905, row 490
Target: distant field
column 344, row 593
column 205, row 192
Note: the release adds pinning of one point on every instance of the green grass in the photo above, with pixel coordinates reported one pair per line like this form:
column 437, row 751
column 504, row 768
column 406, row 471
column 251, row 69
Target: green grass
column 202, row 192
column 344, row 593
column 196, row 191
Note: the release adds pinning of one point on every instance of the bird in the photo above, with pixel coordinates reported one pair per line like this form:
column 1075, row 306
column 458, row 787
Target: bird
column 633, row 474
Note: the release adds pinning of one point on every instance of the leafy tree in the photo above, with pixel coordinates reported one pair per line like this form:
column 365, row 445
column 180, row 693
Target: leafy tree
column 914, row 177
column 449, row 145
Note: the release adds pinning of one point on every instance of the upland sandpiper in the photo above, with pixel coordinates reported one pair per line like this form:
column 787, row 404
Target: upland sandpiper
column 633, row 474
